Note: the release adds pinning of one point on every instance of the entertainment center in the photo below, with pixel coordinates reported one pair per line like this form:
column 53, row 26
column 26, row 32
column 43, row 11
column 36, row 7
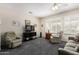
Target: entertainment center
column 29, row 32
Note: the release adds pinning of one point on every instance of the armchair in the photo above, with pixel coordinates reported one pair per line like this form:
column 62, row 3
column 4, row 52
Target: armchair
column 55, row 40
column 70, row 49
column 62, row 51
column 11, row 40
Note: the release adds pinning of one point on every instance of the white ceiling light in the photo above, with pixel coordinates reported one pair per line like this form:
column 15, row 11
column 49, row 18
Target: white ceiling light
column 55, row 6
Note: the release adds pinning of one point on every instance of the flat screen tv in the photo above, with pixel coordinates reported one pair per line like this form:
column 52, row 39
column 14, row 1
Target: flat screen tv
column 29, row 28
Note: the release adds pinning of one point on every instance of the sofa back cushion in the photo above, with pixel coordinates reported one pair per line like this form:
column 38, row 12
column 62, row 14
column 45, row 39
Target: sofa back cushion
column 72, row 45
column 10, row 35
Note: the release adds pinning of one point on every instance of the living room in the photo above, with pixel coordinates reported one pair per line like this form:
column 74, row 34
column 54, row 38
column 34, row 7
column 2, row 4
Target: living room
column 50, row 21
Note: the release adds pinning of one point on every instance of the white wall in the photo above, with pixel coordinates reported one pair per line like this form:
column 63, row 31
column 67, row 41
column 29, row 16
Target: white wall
column 0, row 34
column 34, row 21
column 61, row 17
column 9, row 14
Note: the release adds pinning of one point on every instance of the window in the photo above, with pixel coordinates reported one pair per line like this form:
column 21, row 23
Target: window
column 69, row 25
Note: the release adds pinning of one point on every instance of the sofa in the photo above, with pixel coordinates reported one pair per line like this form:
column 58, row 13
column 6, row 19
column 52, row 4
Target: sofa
column 62, row 51
column 10, row 40
column 70, row 49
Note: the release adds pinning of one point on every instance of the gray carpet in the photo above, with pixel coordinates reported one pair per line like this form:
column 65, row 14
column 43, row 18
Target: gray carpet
column 34, row 47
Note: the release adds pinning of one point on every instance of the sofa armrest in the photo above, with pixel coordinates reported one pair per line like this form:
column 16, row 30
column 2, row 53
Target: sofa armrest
column 18, row 37
column 9, row 41
column 62, row 51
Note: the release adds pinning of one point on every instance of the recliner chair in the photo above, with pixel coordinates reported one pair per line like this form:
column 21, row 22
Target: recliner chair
column 69, row 49
column 62, row 51
column 11, row 40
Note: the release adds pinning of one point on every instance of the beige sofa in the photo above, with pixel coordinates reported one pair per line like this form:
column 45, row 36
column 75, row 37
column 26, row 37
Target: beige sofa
column 12, row 40
column 70, row 48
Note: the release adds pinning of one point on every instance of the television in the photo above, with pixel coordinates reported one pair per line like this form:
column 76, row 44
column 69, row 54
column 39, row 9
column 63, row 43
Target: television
column 29, row 28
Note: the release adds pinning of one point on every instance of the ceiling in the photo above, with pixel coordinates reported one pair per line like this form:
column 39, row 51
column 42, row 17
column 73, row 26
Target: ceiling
column 39, row 9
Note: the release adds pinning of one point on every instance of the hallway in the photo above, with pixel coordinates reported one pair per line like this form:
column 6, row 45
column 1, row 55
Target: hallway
column 35, row 47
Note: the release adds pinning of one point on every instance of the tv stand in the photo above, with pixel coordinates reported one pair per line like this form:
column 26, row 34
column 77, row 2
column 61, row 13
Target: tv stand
column 28, row 35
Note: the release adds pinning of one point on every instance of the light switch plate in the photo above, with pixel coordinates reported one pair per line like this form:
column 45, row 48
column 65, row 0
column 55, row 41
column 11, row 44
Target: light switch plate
column 0, row 21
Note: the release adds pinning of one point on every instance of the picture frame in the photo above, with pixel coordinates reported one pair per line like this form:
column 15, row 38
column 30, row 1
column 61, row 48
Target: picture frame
column 15, row 23
column 27, row 22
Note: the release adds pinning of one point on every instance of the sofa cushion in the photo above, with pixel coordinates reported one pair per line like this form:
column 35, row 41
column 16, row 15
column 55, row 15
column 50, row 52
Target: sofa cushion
column 71, row 45
column 10, row 35
column 72, row 48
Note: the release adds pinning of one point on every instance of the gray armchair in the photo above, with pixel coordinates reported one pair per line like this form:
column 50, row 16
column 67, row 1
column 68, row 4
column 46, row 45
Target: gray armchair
column 11, row 40
column 55, row 40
